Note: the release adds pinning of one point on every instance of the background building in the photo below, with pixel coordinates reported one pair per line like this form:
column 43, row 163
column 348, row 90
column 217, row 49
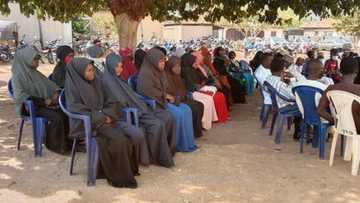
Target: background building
column 30, row 27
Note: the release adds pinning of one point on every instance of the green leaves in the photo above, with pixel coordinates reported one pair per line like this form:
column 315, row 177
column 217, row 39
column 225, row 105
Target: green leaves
column 211, row 10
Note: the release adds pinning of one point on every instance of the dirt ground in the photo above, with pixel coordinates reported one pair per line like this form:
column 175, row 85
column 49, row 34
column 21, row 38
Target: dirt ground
column 236, row 162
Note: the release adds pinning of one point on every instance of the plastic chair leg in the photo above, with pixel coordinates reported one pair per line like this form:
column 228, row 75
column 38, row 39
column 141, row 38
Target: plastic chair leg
column 20, row 133
column 262, row 112
column 316, row 137
column 289, row 123
column 342, row 145
column 275, row 115
column 73, row 152
column 333, row 147
column 348, row 148
column 92, row 162
column 279, row 128
column 303, row 128
column 265, row 116
column 322, row 140
column 39, row 135
column 355, row 157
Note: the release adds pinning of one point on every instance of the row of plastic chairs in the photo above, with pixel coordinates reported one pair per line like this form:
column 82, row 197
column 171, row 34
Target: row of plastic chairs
column 307, row 99
column 38, row 126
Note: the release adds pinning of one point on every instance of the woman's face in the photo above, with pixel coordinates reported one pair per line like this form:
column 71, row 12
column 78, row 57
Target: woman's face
column 89, row 74
column 68, row 58
column 35, row 62
column 161, row 64
column 119, row 69
column 177, row 69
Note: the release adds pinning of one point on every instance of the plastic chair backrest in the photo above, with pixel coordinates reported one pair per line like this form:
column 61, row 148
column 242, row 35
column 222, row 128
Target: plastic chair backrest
column 307, row 99
column 132, row 82
column 272, row 92
column 62, row 104
column 275, row 94
column 261, row 88
column 341, row 108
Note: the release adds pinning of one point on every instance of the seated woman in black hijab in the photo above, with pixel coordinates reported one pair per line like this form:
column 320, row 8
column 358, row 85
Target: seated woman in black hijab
column 117, row 140
column 65, row 54
column 158, row 135
column 29, row 83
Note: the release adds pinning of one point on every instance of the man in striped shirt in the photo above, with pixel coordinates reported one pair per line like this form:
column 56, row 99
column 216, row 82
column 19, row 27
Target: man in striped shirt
column 276, row 80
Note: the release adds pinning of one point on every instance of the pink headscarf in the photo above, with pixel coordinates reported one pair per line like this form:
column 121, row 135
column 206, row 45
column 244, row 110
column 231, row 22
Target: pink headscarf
column 199, row 62
column 128, row 63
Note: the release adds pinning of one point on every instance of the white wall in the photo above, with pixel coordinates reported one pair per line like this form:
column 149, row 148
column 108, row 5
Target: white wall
column 279, row 32
column 172, row 33
column 195, row 32
column 186, row 32
column 150, row 28
column 30, row 26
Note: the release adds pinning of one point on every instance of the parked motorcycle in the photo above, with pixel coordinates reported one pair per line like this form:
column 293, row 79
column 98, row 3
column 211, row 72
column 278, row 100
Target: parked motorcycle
column 6, row 54
column 49, row 51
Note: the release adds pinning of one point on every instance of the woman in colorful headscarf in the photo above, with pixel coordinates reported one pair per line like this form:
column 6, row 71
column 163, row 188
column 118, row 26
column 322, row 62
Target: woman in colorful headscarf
column 29, row 83
column 211, row 85
column 116, row 139
column 64, row 54
column 152, row 83
column 176, row 87
column 128, row 63
column 237, row 79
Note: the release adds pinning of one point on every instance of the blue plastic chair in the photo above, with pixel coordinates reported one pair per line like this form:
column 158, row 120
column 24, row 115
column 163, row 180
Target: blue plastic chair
column 38, row 123
column 306, row 97
column 132, row 82
column 265, row 108
column 130, row 115
column 281, row 114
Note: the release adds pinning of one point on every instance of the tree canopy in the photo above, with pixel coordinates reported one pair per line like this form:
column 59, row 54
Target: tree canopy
column 211, row 10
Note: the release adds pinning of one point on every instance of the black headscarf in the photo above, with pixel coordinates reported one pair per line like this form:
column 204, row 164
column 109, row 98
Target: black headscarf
column 152, row 81
column 117, row 89
column 191, row 76
column 58, row 75
column 176, row 86
column 139, row 58
column 256, row 61
column 86, row 97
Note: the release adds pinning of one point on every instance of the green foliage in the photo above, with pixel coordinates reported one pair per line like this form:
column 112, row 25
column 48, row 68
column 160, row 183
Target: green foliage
column 81, row 26
column 349, row 24
column 212, row 10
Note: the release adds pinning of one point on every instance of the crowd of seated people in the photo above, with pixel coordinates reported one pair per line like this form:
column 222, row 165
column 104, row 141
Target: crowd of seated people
column 191, row 90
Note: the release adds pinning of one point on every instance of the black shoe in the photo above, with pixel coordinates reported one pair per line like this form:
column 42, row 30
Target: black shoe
column 133, row 185
column 296, row 137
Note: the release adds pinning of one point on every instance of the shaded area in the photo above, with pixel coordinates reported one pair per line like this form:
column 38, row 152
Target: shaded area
column 235, row 163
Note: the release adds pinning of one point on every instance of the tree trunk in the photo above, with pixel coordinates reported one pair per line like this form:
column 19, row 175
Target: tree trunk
column 127, row 30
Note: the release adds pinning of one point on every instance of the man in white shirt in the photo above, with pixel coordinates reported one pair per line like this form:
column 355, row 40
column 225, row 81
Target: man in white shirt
column 278, row 66
column 262, row 72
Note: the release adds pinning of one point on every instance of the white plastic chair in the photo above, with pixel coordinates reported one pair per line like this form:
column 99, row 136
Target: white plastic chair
column 341, row 108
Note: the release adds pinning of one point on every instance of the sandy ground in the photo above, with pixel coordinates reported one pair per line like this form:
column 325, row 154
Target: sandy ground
column 236, row 162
